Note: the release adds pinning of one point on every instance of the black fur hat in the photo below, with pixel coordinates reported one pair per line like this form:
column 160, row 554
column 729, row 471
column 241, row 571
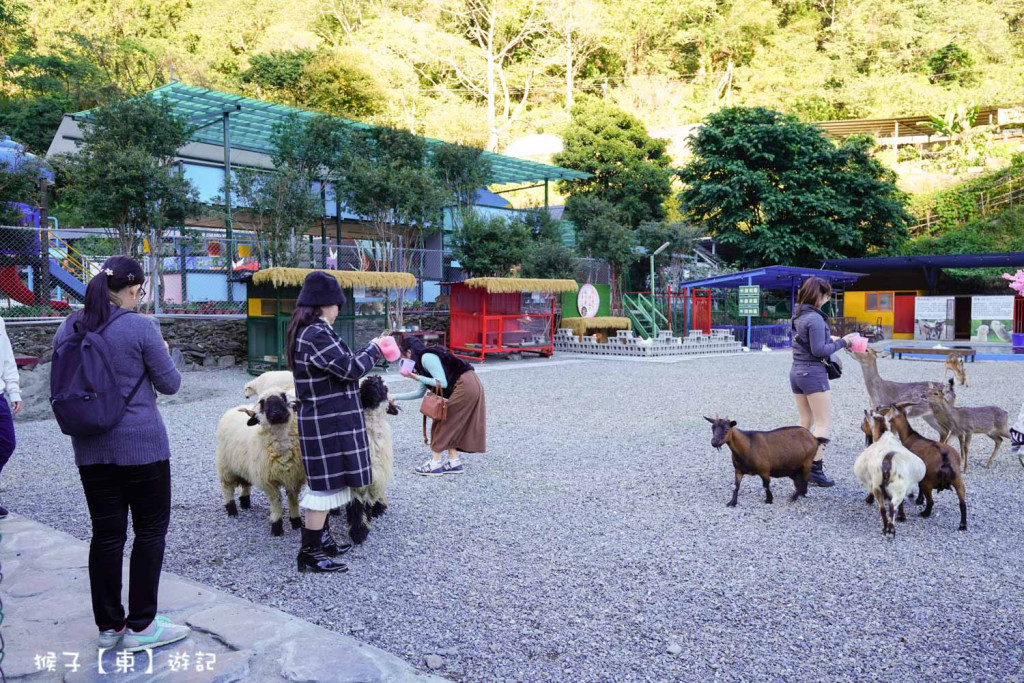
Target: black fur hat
column 321, row 289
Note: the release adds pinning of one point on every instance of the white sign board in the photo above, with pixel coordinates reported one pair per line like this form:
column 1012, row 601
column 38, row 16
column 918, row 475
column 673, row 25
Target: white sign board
column 933, row 317
column 992, row 308
column 931, row 307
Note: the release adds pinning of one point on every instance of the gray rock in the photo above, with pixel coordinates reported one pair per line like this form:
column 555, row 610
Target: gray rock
column 674, row 648
column 226, row 362
column 433, row 662
column 209, row 361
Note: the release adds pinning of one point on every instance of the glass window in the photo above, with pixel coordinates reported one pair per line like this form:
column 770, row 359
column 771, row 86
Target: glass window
column 871, row 303
column 885, row 302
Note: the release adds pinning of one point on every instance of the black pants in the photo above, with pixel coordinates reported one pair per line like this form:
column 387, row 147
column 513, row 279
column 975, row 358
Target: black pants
column 111, row 491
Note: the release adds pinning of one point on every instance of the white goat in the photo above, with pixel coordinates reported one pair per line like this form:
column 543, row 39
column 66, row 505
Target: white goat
column 888, row 471
column 372, row 501
column 1017, row 437
column 275, row 380
column 258, row 446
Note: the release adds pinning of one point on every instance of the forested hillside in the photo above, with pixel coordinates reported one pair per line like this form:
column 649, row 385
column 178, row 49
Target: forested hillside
column 487, row 71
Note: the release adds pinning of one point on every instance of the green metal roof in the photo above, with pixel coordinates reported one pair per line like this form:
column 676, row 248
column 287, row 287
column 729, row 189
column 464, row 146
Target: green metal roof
column 253, row 121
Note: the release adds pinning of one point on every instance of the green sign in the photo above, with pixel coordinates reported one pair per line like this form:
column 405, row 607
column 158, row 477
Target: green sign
column 750, row 300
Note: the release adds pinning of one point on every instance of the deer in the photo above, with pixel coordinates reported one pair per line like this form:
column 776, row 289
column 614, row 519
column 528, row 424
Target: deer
column 963, row 423
column 882, row 392
column 955, row 362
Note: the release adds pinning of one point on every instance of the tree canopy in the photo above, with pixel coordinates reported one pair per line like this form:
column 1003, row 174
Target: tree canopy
column 777, row 191
column 629, row 168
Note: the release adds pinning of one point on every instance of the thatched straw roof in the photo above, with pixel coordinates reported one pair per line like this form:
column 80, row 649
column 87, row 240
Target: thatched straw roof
column 507, row 285
column 581, row 326
column 294, row 277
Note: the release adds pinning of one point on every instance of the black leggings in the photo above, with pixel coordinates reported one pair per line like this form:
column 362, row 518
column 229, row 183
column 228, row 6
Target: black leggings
column 111, row 491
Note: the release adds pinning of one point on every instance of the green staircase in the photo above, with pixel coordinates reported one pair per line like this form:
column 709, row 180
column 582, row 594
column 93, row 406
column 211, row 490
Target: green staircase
column 646, row 317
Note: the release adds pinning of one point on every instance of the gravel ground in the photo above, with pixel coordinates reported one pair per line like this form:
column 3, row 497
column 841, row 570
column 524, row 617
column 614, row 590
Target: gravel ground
column 593, row 542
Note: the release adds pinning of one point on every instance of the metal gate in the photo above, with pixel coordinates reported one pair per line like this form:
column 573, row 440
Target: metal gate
column 702, row 310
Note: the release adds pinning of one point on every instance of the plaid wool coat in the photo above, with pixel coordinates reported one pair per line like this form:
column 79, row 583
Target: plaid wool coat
column 332, row 434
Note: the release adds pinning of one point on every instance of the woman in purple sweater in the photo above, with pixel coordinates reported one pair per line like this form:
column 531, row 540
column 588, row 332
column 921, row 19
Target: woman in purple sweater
column 127, row 468
column 808, row 378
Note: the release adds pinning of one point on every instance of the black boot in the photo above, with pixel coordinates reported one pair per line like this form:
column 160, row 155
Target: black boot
column 818, row 477
column 329, row 545
column 312, row 557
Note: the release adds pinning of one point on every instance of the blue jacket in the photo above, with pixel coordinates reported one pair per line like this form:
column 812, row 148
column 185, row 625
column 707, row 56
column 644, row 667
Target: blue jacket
column 812, row 339
column 332, row 434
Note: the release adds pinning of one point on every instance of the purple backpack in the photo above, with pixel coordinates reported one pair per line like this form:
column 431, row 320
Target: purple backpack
column 84, row 392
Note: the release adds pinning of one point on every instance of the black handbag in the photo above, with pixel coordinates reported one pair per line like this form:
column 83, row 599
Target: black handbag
column 833, row 366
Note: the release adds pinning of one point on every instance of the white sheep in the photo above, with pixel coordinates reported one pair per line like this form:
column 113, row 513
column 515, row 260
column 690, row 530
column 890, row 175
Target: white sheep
column 888, row 471
column 258, row 446
column 371, row 501
column 275, row 380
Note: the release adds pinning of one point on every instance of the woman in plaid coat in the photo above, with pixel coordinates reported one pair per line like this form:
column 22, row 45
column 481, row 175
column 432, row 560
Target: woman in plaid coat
column 332, row 435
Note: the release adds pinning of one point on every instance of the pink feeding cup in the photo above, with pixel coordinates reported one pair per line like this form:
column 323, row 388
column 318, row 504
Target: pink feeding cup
column 390, row 349
column 859, row 345
column 408, row 366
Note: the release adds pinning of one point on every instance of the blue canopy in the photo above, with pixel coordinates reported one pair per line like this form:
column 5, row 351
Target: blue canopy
column 773, row 277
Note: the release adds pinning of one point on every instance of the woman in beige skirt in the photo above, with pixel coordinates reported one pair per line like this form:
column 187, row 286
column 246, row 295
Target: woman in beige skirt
column 465, row 428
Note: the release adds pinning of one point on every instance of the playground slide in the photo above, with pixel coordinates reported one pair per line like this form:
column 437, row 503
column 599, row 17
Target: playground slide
column 66, row 279
column 12, row 286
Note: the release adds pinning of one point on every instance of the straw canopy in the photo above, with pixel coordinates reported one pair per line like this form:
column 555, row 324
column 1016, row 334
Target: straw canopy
column 508, row 285
column 581, row 326
column 294, row 277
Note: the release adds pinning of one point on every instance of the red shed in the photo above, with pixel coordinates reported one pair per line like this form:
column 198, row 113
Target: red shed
column 504, row 315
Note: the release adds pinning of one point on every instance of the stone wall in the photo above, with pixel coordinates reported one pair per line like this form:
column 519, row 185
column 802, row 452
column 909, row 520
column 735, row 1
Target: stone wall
column 32, row 340
column 203, row 341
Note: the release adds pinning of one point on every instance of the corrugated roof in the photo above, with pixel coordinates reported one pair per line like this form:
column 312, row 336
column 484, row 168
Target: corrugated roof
column 253, row 122
column 902, row 126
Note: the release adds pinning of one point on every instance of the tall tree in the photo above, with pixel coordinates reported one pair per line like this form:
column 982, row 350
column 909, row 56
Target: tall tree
column 491, row 246
column 123, row 176
column 779, row 192
column 386, row 177
column 462, row 171
column 577, row 25
column 496, row 47
column 629, row 169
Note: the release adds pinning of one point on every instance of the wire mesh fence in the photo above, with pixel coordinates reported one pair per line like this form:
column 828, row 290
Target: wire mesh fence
column 45, row 272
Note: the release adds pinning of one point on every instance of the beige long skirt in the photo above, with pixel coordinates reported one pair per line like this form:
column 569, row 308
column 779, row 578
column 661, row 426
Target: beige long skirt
column 465, row 428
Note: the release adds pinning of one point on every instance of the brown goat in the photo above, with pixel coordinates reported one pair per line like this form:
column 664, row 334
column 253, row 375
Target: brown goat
column 783, row 452
column 941, row 461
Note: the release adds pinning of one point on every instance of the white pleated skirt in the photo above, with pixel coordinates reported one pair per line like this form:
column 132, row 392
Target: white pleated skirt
column 324, row 501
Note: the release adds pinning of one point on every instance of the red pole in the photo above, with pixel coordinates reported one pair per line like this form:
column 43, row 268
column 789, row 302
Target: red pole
column 668, row 306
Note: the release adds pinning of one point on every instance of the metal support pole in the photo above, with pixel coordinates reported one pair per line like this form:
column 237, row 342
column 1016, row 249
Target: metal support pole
column 227, row 206
column 227, row 175
column 750, row 281
column 545, row 195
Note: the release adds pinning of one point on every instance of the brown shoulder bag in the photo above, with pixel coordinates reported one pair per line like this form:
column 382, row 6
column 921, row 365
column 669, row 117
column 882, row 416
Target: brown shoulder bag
column 434, row 406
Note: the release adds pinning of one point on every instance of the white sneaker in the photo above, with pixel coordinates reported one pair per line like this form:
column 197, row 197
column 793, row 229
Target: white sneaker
column 110, row 638
column 162, row 631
